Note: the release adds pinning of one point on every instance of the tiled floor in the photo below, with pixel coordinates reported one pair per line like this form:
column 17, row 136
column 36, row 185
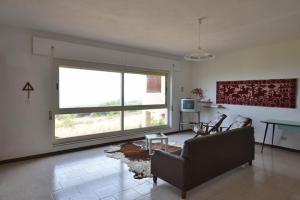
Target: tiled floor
column 90, row 175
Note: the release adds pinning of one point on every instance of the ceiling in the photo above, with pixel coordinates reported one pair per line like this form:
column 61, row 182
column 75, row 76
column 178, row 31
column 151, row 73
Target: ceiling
column 166, row 26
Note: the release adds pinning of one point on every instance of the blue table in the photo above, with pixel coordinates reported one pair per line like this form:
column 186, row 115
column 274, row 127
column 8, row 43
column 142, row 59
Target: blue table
column 275, row 122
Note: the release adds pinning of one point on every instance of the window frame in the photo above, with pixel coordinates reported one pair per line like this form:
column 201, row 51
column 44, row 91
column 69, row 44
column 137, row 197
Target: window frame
column 122, row 69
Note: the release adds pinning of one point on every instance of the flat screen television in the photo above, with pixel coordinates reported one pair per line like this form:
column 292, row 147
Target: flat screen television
column 188, row 105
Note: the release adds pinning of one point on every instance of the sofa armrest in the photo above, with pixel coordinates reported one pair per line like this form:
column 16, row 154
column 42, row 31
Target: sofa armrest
column 169, row 167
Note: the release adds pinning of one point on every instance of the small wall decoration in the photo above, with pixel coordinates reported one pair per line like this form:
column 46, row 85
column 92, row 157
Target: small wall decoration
column 28, row 88
column 270, row 93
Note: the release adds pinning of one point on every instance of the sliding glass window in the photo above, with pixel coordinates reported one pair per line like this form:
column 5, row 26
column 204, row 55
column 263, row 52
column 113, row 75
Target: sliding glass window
column 100, row 100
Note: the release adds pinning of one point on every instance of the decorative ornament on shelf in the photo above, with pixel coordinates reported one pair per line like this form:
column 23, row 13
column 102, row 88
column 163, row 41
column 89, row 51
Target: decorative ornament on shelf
column 206, row 103
column 198, row 92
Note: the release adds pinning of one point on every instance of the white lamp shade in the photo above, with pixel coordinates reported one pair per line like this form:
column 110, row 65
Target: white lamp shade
column 198, row 55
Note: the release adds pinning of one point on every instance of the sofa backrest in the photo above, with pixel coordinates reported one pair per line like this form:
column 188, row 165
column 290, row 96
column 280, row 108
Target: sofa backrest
column 230, row 140
column 209, row 156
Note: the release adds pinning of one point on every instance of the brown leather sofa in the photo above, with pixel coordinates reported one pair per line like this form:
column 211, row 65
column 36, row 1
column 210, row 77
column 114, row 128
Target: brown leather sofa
column 204, row 158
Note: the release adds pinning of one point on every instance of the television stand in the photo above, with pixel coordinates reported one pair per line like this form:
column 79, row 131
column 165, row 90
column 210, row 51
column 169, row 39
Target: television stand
column 181, row 123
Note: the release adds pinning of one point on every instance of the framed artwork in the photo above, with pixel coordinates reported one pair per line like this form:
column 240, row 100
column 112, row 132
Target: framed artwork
column 269, row 93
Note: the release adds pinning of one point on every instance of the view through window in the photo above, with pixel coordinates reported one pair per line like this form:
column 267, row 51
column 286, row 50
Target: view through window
column 99, row 101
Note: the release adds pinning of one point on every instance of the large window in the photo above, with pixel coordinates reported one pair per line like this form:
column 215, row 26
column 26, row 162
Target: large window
column 142, row 89
column 105, row 100
column 73, row 125
column 144, row 118
column 88, row 88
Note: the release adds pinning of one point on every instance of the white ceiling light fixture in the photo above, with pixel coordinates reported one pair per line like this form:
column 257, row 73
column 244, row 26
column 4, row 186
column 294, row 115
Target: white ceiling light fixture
column 199, row 53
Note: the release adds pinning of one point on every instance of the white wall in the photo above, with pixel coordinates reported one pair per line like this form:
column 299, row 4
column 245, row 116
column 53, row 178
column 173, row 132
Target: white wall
column 264, row 62
column 25, row 128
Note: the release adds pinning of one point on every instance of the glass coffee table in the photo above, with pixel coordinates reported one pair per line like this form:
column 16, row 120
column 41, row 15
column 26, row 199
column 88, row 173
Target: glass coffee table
column 154, row 137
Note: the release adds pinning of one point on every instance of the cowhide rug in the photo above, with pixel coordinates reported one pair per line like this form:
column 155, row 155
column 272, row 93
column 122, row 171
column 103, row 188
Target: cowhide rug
column 137, row 157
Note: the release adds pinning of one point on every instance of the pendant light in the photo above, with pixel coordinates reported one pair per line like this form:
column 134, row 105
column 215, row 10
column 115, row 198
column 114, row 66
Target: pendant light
column 199, row 53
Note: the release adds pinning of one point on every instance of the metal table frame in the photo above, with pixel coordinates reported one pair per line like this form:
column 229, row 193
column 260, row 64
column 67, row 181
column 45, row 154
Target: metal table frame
column 274, row 123
column 181, row 123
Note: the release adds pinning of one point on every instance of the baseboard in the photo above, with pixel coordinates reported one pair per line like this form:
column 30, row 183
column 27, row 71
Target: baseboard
column 74, row 149
column 280, row 147
column 111, row 143
column 174, row 132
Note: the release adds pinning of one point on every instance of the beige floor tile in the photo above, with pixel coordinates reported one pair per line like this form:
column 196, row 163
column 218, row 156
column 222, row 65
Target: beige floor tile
column 91, row 175
column 129, row 194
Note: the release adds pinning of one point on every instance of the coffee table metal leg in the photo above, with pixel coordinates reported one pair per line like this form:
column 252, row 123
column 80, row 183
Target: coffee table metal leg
column 147, row 144
column 166, row 144
column 150, row 147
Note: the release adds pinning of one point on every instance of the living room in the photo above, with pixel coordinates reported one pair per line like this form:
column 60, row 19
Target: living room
column 62, row 139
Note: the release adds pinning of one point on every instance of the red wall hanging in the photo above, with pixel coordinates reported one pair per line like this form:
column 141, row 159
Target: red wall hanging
column 270, row 93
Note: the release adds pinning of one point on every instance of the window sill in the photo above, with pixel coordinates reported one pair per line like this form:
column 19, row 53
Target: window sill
column 108, row 136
